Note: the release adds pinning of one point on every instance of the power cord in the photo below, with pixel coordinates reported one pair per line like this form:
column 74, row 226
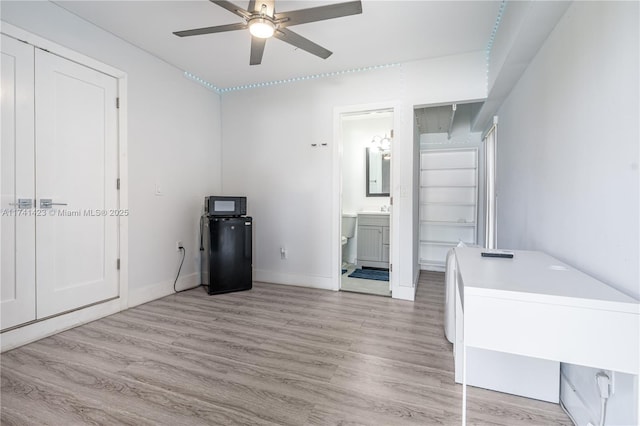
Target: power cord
column 184, row 254
column 603, row 382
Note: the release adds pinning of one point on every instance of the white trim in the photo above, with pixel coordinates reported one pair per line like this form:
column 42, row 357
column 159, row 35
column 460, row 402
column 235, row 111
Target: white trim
column 56, row 49
column 155, row 291
column 123, row 196
column 325, row 283
column 39, row 330
column 490, row 157
column 405, row 293
column 336, row 231
column 494, row 124
column 92, row 313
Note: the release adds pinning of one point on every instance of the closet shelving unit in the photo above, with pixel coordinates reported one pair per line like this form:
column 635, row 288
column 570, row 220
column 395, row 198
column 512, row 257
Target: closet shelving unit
column 448, row 203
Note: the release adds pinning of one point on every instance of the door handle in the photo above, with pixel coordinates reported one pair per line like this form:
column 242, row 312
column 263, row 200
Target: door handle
column 47, row 203
column 23, row 203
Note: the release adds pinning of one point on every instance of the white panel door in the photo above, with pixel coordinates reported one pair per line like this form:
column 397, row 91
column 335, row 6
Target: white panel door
column 17, row 225
column 76, row 168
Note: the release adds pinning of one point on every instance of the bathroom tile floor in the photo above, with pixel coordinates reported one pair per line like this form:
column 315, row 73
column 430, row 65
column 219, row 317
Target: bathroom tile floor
column 359, row 285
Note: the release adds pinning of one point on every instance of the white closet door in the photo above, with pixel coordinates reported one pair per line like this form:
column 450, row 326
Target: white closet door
column 17, row 225
column 76, row 168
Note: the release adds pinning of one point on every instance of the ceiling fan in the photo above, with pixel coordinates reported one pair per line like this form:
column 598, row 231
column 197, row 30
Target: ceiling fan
column 263, row 22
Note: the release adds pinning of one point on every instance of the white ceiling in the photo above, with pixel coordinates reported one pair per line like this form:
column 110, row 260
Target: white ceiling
column 386, row 32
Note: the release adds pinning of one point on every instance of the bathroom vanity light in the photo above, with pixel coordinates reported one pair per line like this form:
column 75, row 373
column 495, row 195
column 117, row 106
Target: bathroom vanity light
column 383, row 144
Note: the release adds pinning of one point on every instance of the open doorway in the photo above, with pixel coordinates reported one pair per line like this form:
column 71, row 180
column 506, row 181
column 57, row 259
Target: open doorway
column 450, row 181
column 366, row 145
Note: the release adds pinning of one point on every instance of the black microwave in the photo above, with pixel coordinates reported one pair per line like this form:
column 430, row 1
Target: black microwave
column 216, row 205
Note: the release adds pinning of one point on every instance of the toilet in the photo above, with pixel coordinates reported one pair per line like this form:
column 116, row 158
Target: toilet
column 348, row 227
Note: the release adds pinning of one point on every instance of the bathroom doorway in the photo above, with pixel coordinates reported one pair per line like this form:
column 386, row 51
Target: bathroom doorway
column 366, row 144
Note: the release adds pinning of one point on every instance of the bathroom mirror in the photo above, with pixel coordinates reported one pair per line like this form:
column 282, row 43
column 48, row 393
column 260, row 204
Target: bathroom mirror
column 378, row 172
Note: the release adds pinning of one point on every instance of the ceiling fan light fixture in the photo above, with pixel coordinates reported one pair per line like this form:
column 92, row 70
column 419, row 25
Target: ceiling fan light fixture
column 261, row 27
column 262, row 22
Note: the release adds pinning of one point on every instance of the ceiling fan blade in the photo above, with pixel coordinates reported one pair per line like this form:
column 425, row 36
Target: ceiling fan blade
column 210, row 30
column 300, row 42
column 320, row 13
column 237, row 10
column 257, row 49
column 256, row 6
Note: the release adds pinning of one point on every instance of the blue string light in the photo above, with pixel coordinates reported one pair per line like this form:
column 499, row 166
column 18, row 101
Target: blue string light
column 305, row 77
column 341, row 72
column 492, row 38
column 201, row 81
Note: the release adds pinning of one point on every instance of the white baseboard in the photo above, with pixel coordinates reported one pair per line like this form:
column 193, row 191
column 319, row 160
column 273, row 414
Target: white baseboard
column 138, row 296
column 432, row 268
column 293, row 279
column 39, row 330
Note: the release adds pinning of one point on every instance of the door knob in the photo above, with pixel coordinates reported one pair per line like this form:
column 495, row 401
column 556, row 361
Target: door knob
column 47, row 203
column 23, row 203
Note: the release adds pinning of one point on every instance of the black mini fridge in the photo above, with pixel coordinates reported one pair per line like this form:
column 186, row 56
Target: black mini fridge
column 226, row 257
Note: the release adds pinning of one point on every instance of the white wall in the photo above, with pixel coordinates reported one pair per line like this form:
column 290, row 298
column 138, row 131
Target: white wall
column 291, row 185
column 567, row 163
column 522, row 28
column 173, row 141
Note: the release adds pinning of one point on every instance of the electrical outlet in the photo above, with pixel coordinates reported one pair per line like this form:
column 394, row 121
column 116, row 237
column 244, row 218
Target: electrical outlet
column 612, row 381
column 179, row 245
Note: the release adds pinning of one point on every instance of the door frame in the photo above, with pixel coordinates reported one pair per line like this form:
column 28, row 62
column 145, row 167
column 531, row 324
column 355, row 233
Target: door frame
column 336, row 228
column 46, row 327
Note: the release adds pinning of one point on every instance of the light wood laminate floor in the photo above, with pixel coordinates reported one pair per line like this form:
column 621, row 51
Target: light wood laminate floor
column 273, row 355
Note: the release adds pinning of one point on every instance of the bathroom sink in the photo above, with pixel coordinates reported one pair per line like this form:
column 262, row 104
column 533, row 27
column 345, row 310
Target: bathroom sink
column 378, row 212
